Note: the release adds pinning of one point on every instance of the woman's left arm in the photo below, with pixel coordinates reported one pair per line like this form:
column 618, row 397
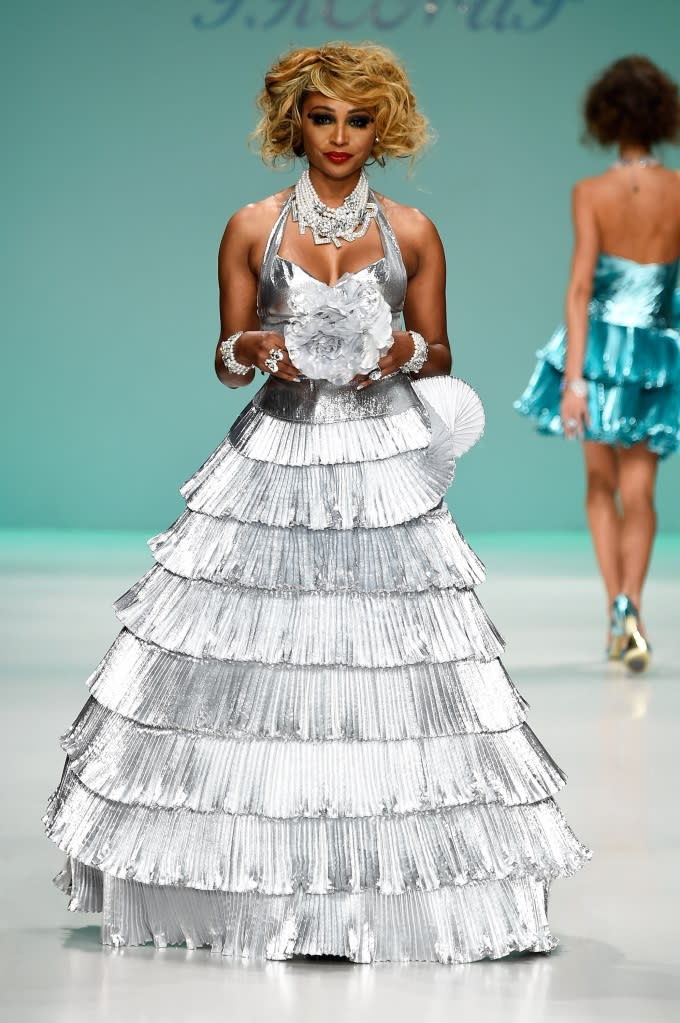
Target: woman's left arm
column 425, row 303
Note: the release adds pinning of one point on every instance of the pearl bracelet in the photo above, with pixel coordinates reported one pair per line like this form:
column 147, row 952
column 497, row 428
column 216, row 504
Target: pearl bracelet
column 577, row 386
column 420, row 354
column 228, row 358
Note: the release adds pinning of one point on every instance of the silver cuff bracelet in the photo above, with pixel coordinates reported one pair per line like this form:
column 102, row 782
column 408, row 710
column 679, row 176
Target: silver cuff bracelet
column 420, row 353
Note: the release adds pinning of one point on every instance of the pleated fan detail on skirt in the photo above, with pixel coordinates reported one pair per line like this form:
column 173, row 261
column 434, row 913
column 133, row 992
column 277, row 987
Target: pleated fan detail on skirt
column 303, row 740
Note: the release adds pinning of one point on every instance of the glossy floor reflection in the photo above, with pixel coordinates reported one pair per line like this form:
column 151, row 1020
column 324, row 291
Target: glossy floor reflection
column 614, row 735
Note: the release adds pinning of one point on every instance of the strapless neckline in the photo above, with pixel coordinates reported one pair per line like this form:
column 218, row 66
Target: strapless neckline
column 347, row 273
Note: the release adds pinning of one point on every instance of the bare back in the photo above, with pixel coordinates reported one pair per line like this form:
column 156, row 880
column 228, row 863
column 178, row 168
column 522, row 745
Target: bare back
column 644, row 224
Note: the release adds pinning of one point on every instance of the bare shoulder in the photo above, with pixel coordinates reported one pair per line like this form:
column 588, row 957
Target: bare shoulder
column 587, row 189
column 409, row 223
column 248, row 223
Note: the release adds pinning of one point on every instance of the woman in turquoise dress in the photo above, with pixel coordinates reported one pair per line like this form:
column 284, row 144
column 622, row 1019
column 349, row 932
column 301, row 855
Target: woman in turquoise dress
column 611, row 374
column 303, row 741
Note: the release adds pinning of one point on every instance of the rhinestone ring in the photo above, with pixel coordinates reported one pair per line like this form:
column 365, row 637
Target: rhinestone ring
column 272, row 365
column 275, row 353
column 375, row 374
column 571, row 424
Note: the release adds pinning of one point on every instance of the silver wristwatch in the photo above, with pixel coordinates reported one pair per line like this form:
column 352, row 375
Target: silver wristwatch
column 227, row 352
column 420, row 354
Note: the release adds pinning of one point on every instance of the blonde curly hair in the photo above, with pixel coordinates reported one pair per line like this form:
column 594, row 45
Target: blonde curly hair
column 366, row 73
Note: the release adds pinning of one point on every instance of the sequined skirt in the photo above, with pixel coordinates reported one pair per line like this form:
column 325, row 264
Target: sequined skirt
column 303, row 740
column 633, row 376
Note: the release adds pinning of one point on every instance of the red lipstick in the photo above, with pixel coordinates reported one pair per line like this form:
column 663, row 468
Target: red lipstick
column 338, row 157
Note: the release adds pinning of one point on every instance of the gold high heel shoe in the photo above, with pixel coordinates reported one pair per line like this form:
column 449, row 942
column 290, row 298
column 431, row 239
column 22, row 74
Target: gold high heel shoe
column 628, row 644
column 615, row 648
column 616, row 633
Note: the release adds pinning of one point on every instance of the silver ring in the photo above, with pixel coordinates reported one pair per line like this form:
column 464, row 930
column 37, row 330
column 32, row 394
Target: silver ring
column 571, row 424
column 275, row 353
column 272, row 365
column 375, row 374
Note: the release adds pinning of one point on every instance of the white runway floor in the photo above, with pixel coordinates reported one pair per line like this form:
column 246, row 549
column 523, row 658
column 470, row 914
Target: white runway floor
column 616, row 737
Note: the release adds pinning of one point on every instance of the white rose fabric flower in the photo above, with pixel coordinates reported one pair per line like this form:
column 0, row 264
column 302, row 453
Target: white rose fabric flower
column 338, row 332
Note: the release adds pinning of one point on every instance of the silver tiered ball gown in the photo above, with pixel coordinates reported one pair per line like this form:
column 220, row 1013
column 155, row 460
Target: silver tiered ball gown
column 303, row 741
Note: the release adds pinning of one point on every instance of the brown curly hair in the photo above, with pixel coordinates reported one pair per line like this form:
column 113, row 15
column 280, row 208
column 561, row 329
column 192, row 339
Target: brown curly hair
column 632, row 101
column 364, row 73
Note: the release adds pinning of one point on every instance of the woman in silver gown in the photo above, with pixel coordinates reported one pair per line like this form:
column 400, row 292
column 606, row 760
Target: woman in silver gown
column 303, row 741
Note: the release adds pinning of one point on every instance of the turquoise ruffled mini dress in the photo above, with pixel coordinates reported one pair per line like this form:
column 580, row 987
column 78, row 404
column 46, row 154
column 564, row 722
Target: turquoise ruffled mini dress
column 632, row 359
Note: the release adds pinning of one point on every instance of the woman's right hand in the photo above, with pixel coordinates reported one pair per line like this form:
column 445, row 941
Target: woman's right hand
column 254, row 347
column 574, row 414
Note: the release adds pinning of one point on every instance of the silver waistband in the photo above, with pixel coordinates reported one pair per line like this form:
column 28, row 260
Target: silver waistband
column 319, row 401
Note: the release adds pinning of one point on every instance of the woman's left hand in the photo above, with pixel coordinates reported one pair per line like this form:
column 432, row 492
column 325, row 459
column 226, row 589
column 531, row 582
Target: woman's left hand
column 574, row 415
column 399, row 354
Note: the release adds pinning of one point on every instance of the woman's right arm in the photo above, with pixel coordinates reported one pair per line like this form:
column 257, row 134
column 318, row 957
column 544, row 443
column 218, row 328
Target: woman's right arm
column 238, row 303
column 579, row 291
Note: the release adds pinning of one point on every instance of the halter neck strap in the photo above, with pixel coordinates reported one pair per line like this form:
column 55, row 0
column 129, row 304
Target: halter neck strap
column 395, row 270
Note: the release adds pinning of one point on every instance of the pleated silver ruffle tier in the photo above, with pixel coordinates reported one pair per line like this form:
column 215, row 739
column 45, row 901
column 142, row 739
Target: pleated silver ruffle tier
column 303, row 740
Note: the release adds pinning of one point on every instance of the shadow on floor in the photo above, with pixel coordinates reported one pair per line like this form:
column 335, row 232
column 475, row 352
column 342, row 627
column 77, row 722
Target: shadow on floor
column 579, row 970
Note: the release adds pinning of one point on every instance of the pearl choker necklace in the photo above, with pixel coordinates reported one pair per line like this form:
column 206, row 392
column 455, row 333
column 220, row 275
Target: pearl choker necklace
column 637, row 161
column 349, row 221
column 634, row 162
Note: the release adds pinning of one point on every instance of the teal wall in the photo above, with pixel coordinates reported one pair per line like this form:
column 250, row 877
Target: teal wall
column 125, row 151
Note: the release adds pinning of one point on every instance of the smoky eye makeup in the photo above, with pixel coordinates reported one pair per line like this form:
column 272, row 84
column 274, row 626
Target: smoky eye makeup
column 321, row 117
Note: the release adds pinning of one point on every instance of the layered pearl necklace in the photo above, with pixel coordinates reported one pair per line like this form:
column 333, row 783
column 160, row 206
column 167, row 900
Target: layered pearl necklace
column 349, row 221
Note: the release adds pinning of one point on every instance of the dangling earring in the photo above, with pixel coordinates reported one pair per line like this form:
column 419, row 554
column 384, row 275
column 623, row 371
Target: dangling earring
column 380, row 160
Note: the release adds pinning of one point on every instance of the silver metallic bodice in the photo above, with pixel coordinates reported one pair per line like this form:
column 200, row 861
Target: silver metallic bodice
column 319, row 400
column 279, row 276
column 633, row 294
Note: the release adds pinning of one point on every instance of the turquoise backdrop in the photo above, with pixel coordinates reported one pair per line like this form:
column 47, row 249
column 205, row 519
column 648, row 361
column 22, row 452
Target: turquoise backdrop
column 125, row 153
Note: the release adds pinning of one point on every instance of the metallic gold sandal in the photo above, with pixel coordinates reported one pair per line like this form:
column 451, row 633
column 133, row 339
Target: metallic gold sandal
column 633, row 648
column 617, row 634
column 615, row 648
